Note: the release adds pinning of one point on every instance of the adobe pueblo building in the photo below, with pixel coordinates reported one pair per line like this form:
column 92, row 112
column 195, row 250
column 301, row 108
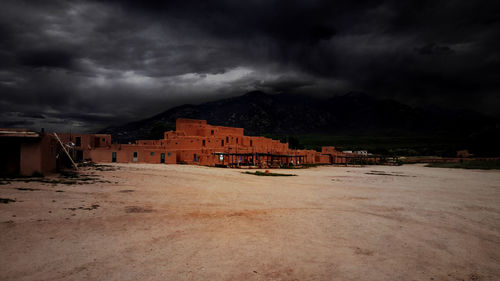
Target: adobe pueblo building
column 196, row 142
column 193, row 142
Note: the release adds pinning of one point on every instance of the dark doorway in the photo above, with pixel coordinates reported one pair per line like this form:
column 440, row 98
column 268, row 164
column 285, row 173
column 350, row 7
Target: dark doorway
column 10, row 157
column 79, row 155
column 162, row 158
column 194, row 158
column 113, row 156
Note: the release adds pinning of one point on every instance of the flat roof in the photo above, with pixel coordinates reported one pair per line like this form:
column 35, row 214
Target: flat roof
column 18, row 133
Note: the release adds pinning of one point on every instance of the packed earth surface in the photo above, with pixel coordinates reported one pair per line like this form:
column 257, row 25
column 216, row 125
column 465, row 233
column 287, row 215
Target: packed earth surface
column 182, row 222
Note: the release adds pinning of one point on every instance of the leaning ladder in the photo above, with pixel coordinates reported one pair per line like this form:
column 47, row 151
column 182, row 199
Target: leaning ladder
column 67, row 153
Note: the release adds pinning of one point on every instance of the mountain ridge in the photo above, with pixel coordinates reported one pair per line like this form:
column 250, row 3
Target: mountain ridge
column 292, row 114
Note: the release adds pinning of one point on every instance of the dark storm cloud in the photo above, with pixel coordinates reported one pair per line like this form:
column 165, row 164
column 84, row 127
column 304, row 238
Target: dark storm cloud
column 434, row 49
column 32, row 115
column 87, row 64
column 285, row 84
column 46, row 58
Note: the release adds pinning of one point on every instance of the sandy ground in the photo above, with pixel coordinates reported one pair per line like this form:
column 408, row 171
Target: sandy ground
column 180, row 222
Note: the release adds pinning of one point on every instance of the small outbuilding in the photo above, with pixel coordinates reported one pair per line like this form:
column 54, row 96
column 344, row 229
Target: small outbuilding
column 26, row 153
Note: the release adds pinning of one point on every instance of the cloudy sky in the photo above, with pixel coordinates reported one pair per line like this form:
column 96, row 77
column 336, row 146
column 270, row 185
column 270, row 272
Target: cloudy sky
column 87, row 64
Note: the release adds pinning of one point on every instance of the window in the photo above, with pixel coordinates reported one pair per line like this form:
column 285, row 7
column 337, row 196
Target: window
column 203, row 142
column 103, row 139
column 169, row 154
column 135, row 154
column 236, row 140
column 222, row 142
column 78, row 141
column 212, row 132
column 152, row 154
column 227, row 139
column 251, row 142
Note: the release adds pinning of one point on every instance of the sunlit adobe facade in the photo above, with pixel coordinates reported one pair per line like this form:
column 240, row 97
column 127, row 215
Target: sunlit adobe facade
column 196, row 142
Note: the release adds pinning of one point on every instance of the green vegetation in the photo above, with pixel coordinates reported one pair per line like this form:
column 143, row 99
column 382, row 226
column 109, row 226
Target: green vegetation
column 387, row 145
column 407, row 145
column 472, row 164
column 259, row 173
column 302, row 166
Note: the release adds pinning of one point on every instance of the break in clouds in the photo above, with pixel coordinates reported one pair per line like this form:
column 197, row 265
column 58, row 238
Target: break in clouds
column 83, row 65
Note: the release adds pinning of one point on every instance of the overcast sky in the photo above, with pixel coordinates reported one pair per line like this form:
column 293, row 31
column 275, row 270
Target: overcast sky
column 88, row 64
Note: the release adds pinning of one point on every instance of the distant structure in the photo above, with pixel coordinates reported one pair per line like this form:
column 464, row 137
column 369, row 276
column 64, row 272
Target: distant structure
column 196, row 142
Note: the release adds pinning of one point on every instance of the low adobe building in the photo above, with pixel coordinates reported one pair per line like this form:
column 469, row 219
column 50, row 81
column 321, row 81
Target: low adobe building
column 27, row 153
column 196, row 142
column 80, row 145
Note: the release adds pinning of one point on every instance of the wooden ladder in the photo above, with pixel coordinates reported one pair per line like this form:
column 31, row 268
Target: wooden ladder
column 67, row 153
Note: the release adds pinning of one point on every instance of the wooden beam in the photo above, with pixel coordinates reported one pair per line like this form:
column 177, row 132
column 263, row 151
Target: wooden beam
column 67, row 153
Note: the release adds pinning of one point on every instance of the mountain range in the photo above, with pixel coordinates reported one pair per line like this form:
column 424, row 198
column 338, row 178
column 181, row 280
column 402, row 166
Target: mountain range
column 290, row 114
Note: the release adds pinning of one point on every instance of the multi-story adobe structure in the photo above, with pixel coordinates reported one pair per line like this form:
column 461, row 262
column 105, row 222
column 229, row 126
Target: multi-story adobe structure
column 193, row 142
column 196, row 142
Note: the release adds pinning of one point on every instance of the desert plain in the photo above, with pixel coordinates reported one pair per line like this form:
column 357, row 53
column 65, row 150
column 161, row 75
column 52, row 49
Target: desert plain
column 182, row 222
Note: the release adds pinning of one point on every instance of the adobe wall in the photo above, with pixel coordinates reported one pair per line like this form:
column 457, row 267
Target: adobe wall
column 31, row 161
column 200, row 128
column 188, row 156
column 328, row 149
column 125, row 154
column 38, row 155
column 150, row 142
column 49, row 150
column 322, row 159
column 85, row 142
